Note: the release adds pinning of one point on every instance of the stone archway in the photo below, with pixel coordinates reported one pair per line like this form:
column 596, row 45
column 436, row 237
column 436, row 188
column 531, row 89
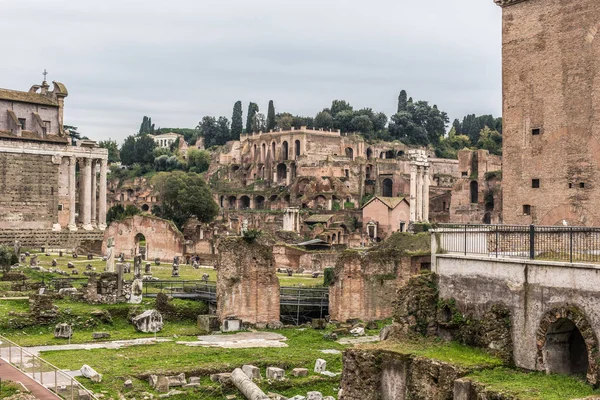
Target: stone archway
column 567, row 344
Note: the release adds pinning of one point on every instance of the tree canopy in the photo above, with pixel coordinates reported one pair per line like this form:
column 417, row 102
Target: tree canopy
column 216, row 132
column 183, row 196
column 113, row 150
column 138, row 150
column 237, row 123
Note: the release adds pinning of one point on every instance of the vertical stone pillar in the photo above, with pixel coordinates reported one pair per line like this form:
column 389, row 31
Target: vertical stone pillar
column 94, row 194
column 72, row 193
column 102, row 196
column 85, row 203
column 413, row 193
column 426, row 194
column 419, row 193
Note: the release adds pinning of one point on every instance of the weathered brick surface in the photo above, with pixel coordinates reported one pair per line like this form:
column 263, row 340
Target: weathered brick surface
column 28, row 191
column 247, row 284
column 550, row 69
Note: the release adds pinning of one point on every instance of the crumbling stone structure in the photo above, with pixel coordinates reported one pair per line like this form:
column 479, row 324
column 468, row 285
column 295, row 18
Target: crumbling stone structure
column 163, row 240
column 550, row 123
column 247, row 284
column 365, row 285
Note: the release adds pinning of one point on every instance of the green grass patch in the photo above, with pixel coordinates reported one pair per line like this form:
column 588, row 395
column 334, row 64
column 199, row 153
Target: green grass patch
column 450, row 352
column 533, row 385
column 9, row 388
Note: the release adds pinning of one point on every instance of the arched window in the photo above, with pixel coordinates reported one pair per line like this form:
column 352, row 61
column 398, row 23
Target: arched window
column 244, row 202
column 281, row 173
column 284, row 151
column 297, row 146
column 369, row 153
column 259, row 202
column 350, row 153
column 387, row 188
column 474, row 192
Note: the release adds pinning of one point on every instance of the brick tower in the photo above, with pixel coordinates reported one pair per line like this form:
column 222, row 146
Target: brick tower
column 551, row 111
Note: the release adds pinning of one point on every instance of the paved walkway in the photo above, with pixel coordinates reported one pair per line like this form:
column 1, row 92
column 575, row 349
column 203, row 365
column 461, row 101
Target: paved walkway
column 10, row 373
column 116, row 344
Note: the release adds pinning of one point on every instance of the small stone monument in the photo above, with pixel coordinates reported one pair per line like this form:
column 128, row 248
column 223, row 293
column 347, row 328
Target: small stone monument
column 175, row 272
column 63, row 331
column 157, row 261
column 54, row 262
column 22, row 258
column 137, row 267
column 148, row 322
column 137, row 291
column 148, row 269
column 110, row 257
column 33, row 261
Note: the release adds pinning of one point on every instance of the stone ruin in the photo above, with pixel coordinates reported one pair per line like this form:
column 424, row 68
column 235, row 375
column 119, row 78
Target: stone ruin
column 149, row 321
column 41, row 308
column 63, row 331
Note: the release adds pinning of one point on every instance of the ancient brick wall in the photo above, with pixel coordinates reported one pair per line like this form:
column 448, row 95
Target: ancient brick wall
column 551, row 124
column 28, row 191
column 247, row 284
column 300, row 260
column 163, row 239
column 51, row 240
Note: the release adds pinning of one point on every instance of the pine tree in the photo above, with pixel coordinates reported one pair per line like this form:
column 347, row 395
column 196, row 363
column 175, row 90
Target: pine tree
column 237, row 123
column 252, row 110
column 271, row 116
column 402, row 101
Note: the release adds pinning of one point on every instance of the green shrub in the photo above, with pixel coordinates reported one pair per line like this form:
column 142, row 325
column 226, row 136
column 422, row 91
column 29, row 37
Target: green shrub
column 329, row 276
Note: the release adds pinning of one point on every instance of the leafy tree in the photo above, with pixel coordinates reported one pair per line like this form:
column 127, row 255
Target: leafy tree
column 252, row 110
column 160, row 162
column 361, row 123
column 324, row 120
column 118, row 212
column 138, row 150
column 490, row 140
column 285, row 121
column 300, row 121
column 73, row 132
column 147, row 127
column 237, row 124
column 457, row 126
column 198, row 160
column 337, row 106
column 402, row 101
column 183, row 196
column 7, row 258
column 259, row 122
column 271, row 116
column 215, row 132
column 113, row 150
column 343, row 120
column 450, row 145
column 420, row 124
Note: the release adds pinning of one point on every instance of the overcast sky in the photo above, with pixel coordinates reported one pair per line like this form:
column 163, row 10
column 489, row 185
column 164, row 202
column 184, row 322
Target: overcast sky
column 178, row 60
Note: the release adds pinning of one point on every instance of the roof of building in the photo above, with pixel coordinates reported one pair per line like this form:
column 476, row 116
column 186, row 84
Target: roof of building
column 313, row 243
column 27, row 97
column 316, row 218
column 391, row 202
column 32, row 136
column 165, row 135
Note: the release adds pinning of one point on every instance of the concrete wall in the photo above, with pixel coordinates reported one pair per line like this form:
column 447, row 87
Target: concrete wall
column 529, row 289
column 163, row 240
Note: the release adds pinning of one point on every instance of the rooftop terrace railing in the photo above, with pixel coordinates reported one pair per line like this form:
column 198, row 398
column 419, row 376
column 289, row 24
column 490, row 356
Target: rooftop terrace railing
column 547, row 243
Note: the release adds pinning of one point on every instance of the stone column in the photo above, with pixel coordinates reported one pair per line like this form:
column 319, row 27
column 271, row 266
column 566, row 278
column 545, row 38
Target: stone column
column 72, row 193
column 102, row 196
column 85, row 203
column 94, row 193
column 413, row 193
column 419, row 194
column 426, row 194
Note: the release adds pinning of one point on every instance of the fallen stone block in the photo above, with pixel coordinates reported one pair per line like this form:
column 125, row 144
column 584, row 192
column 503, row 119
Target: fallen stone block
column 63, row 331
column 177, row 380
column 222, row 378
column 149, row 322
column 90, row 373
column 329, row 374
column 319, row 323
column 275, row 373
column 231, row 325
column 194, row 379
column 314, row 396
column 128, row 384
column 300, row 372
column 100, row 335
column 208, row 323
column 252, row 372
column 358, row 331
column 320, row 365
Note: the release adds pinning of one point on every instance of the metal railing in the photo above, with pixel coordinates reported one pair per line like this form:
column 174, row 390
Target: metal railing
column 546, row 243
column 51, row 377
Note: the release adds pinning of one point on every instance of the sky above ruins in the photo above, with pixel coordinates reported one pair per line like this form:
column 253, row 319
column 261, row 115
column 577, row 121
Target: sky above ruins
column 179, row 60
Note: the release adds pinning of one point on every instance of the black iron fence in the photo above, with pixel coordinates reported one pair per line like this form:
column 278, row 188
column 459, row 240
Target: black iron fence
column 548, row 243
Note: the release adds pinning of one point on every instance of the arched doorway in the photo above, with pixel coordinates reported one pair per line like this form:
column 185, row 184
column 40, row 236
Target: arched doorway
column 567, row 344
column 145, row 208
column 297, row 148
column 369, row 153
column 474, row 192
column 320, row 202
column 333, row 238
column 244, row 202
column 232, row 202
column 281, row 173
column 284, row 151
column 350, row 153
column 487, row 218
column 141, row 246
column 387, row 188
column 390, row 154
column 259, row 202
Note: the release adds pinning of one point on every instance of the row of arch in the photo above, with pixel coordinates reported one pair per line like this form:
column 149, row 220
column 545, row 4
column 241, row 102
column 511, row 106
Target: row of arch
column 259, row 202
column 261, row 151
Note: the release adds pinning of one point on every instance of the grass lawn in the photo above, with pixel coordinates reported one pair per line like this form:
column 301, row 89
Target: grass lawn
column 8, row 388
column 534, row 385
column 137, row 362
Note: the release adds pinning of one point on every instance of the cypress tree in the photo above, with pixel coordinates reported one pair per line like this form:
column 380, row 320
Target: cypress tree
column 271, row 116
column 237, row 123
column 252, row 110
column 402, row 101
